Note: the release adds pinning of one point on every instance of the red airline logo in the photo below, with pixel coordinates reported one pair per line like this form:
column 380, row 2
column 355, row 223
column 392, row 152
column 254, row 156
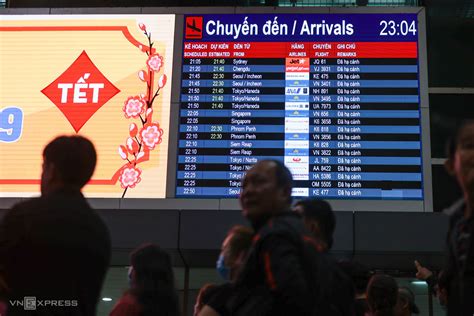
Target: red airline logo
column 80, row 91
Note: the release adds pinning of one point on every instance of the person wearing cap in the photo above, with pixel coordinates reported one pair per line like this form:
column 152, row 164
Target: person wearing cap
column 406, row 302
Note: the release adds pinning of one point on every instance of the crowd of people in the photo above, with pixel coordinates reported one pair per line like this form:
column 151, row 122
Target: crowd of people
column 58, row 249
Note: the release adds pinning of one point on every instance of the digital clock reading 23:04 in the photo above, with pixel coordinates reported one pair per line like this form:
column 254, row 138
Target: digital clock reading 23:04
column 403, row 28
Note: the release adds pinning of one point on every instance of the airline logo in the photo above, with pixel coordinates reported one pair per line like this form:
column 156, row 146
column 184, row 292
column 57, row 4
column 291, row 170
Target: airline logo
column 297, row 113
column 297, row 83
column 297, row 106
column 299, row 167
column 298, row 174
column 297, row 65
column 297, row 98
column 296, row 144
column 296, row 91
column 296, row 136
column 297, row 76
column 300, row 192
column 297, row 125
column 296, row 152
column 296, row 160
column 80, row 91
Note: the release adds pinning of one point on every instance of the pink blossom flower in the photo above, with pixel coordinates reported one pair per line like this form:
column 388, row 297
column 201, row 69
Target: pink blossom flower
column 142, row 75
column 151, row 134
column 129, row 177
column 123, row 152
column 132, row 145
column 155, row 62
column 142, row 27
column 134, row 106
column 133, row 129
column 162, row 81
column 149, row 114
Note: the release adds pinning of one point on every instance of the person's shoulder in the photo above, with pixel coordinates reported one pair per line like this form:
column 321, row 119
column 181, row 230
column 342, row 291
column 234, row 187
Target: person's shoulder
column 49, row 207
column 225, row 287
column 128, row 299
column 24, row 208
column 127, row 305
column 455, row 212
column 220, row 296
column 222, row 291
column 286, row 221
column 277, row 237
column 29, row 204
column 72, row 198
column 287, row 217
column 71, row 209
column 287, row 226
column 51, row 202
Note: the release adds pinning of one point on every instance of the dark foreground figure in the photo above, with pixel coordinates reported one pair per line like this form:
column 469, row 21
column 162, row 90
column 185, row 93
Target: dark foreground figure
column 152, row 291
column 55, row 248
column 285, row 273
column 458, row 277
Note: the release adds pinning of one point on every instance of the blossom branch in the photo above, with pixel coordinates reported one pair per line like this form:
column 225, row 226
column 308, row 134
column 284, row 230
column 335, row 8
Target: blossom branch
column 142, row 141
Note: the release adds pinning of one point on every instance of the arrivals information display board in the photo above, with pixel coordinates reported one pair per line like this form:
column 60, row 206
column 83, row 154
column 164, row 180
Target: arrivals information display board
column 336, row 97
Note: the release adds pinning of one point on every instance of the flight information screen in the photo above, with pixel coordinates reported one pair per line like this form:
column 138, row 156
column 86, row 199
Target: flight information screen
column 336, row 97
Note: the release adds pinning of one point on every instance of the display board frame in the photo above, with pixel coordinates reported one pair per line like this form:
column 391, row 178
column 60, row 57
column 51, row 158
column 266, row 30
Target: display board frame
column 224, row 204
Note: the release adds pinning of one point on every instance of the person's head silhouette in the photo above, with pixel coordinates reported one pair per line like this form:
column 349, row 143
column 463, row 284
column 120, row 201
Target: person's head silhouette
column 68, row 162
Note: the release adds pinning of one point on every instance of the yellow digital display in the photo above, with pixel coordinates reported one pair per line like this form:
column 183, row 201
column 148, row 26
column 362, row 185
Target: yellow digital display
column 105, row 77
